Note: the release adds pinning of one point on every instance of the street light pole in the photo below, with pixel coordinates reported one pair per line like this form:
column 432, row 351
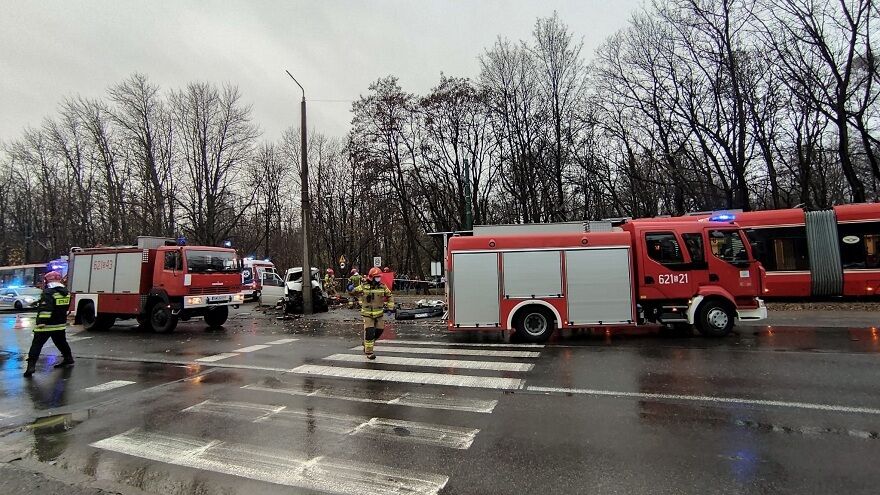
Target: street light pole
column 306, row 208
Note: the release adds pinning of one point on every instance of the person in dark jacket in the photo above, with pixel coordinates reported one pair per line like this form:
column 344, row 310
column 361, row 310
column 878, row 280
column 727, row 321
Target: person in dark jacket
column 51, row 322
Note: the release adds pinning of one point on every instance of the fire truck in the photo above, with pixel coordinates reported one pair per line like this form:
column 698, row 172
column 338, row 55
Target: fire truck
column 158, row 281
column 682, row 274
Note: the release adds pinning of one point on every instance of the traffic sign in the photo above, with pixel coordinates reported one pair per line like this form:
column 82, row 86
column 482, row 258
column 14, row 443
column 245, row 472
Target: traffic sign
column 377, row 261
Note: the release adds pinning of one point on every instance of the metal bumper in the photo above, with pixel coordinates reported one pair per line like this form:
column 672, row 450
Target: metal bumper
column 205, row 301
column 759, row 313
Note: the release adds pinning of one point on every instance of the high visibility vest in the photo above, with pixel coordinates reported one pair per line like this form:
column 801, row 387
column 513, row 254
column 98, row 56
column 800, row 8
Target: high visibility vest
column 52, row 310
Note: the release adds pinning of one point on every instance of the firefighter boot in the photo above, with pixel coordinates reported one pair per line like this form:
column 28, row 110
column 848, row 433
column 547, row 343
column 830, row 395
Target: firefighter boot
column 67, row 361
column 31, row 367
column 369, row 339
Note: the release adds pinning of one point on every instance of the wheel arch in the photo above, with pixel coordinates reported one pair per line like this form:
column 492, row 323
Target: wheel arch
column 80, row 301
column 698, row 301
column 529, row 302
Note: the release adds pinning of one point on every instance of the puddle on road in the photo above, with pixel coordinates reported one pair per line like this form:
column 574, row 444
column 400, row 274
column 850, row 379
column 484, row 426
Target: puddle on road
column 51, row 434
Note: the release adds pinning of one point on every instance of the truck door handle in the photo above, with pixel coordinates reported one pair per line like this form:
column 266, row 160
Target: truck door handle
column 649, row 280
column 713, row 277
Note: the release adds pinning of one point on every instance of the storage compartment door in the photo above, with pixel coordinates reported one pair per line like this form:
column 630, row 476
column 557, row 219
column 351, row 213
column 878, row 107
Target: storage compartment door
column 128, row 273
column 475, row 289
column 532, row 274
column 599, row 286
column 82, row 271
column 103, row 273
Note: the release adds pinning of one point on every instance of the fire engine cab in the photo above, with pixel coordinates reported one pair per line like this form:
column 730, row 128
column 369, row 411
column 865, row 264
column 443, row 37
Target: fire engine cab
column 677, row 273
column 158, row 281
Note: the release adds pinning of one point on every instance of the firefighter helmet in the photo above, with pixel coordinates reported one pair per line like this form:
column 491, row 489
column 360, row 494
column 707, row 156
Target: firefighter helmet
column 330, row 271
column 52, row 276
column 374, row 272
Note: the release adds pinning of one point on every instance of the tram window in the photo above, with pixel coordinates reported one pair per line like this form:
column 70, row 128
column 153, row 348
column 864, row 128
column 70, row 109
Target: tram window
column 663, row 247
column 859, row 244
column 780, row 248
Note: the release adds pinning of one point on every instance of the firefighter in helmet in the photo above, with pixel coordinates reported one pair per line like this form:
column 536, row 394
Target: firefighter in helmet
column 330, row 282
column 51, row 322
column 354, row 281
column 375, row 298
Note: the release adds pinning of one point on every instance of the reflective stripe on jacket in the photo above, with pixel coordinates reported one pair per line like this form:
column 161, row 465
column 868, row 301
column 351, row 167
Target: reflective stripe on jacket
column 374, row 299
column 52, row 309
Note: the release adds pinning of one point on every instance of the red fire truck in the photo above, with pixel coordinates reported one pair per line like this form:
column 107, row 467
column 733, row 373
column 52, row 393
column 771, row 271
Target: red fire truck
column 825, row 253
column 157, row 281
column 678, row 273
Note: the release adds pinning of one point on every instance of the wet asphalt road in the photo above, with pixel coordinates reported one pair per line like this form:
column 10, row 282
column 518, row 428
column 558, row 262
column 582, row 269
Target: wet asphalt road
column 248, row 409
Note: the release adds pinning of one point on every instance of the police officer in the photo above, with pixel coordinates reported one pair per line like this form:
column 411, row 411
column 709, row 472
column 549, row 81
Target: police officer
column 51, row 322
column 375, row 298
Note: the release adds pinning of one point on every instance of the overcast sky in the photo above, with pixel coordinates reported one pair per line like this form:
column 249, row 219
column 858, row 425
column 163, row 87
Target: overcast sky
column 53, row 49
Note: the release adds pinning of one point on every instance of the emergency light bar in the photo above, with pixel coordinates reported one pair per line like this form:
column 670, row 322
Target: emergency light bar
column 723, row 217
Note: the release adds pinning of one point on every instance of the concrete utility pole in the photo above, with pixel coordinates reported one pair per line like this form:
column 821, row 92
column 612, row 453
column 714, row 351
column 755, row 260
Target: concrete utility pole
column 306, row 209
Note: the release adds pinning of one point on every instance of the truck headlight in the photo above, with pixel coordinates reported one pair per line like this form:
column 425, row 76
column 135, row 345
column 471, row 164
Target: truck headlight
column 238, row 297
column 193, row 301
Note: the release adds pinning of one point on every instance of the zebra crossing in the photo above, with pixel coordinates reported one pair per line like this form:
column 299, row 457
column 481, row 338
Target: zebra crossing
column 456, row 385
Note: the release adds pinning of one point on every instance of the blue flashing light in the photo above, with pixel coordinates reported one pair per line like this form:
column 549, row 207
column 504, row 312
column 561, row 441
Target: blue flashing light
column 267, row 260
column 181, row 241
column 227, row 244
column 723, row 217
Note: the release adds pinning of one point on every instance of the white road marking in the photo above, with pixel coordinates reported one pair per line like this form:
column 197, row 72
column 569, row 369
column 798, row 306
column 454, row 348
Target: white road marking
column 435, row 363
column 252, row 348
column 108, row 386
column 460, row 344
column 411, row 377
column 711, row 399
column 281, row 341
column 184, row 363
column 76, row 338
column 454, row 352
column 381, row 397
column 453, row 437
column 216, row 357
column 273, row 465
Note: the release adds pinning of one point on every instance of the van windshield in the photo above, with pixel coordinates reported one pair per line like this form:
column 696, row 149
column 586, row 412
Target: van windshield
column 210, row 261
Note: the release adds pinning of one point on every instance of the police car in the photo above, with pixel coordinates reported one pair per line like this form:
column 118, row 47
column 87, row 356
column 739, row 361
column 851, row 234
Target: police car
column 19, row 297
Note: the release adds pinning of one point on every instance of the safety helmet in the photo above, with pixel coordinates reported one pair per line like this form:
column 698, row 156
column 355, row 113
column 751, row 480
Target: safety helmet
column 353, row 271
column 386, row 269
column 52, row 277
column 330, row 271
column 374, row 272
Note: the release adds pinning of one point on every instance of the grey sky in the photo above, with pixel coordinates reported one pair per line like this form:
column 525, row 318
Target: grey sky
column 52, row 49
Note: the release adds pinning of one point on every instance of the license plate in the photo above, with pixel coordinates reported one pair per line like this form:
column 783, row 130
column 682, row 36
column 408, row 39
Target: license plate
column 214, row 299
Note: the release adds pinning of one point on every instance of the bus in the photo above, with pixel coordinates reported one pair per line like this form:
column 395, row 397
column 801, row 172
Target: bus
column 22, row 275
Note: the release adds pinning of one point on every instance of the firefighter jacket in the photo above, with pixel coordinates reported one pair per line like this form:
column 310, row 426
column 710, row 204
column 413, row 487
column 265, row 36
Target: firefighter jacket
column 354, row 281
column 374, row 299
column 52, row 309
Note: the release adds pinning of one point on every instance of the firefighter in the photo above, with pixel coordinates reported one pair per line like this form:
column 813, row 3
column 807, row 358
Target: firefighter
column 354, row 281
column 375, row 299
column 51, row 322
column 330, row 283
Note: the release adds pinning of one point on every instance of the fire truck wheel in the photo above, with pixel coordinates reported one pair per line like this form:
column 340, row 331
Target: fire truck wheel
column 714, row 319
column 92, row 322
column 534, row 323
column 216, row 317
column 162, row 320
